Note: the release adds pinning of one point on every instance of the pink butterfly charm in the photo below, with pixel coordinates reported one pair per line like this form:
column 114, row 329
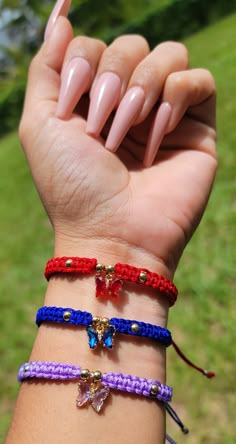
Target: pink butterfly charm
column 94, row 393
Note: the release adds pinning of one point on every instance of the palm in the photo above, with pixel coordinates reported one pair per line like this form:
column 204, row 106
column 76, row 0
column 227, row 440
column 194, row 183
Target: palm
column 156, row 209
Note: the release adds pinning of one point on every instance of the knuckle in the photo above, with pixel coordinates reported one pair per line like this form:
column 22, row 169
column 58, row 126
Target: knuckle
column 176, row 80
column 177, row 48
column 115, row 58
column 83, row 46
column 210, row 80
column 132, row 39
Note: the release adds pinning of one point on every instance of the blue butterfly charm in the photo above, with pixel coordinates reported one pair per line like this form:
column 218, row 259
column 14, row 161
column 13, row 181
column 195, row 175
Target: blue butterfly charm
column 100, row 332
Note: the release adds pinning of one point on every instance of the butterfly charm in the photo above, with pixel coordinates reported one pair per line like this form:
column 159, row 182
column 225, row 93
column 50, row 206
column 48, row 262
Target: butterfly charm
column 100, row 332
column 92, row 392
column 107, row 284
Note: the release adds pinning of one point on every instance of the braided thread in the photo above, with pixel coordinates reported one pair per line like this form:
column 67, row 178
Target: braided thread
column 123, row 271
column 81, row 265
column 55, row 314
column 48, row 370
column 117, row 381
column 145, row 330
column 154, row 280
column 136, row 385
column 123, row 326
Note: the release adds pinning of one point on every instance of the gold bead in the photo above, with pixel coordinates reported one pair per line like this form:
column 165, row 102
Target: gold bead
column 85, row 373
column 96, row 320
column 110, row 269
column 154, row 389
column 142, row 276
column 97, row 375
column 135, row 327
column 105, row 321
column 66, row 316
column 100, row 267
column 68, row 263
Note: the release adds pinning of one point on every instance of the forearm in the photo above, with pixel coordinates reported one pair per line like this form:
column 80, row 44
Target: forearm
column 125, row 417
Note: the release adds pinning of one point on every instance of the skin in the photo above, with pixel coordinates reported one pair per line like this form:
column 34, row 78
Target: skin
column 109, row 206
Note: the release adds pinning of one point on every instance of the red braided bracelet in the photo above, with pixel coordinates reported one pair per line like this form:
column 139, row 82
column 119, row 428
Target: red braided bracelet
column 109, row 279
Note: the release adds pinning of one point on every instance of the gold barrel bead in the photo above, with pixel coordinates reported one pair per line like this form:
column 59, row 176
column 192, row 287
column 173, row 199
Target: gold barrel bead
column 142, row 277
column 66, row 315
column 68, row 263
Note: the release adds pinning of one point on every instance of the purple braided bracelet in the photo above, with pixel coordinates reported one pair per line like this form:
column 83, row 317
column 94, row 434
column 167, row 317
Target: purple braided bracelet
column 150, row 388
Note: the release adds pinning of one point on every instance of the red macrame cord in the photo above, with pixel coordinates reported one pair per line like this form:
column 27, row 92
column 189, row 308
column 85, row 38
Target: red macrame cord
column 125, row 272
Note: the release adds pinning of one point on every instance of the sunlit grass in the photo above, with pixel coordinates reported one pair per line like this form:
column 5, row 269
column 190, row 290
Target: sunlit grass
column 205, row 316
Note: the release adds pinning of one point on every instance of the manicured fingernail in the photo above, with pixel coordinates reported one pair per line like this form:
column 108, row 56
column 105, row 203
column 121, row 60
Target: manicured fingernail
column 61, row 8
column 75, row 80
column 127, row 112
column 157, row 132
column 103, row 98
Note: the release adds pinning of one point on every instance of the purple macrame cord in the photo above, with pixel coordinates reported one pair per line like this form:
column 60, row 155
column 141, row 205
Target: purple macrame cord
column 115, row 381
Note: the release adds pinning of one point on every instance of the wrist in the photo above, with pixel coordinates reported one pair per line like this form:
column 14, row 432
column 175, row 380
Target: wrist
column 111, row 251
column 135, row 303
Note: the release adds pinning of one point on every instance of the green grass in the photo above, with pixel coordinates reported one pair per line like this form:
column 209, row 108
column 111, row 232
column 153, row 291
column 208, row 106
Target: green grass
column 26, row 242
column 203, row 321
column 205, row 316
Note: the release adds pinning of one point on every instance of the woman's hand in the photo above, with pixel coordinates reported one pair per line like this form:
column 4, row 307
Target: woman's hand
column 142, row 203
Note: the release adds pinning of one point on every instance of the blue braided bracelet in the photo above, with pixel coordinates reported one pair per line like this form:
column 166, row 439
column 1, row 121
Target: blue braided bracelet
column 102, row 330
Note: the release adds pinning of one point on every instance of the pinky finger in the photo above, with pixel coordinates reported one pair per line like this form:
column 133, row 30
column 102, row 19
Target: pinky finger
column 192, row 90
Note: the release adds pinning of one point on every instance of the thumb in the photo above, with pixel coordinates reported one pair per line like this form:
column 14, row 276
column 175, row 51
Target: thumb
column 45, row 68
column 61, row 7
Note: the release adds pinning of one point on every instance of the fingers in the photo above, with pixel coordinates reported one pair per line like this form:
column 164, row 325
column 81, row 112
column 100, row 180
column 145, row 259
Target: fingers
column 115, row 69
column 152, row 73
column 125, row 76
column 80, row 65
column 189, row 89
column 182, row 91
column 145, row 87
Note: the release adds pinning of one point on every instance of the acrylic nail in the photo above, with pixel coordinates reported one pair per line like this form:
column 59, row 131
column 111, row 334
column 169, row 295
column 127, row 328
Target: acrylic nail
column 103, row 99
column 127, row 112
column 61, row 7
column 75, row 80
column 157, row 132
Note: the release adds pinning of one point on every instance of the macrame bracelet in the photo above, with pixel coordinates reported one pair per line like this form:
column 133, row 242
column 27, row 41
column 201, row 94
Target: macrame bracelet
column 94, row 387
column 101, row 330
column 110, row 279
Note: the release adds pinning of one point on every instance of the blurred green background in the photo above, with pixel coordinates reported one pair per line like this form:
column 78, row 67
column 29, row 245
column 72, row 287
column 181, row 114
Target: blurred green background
column 203, row 321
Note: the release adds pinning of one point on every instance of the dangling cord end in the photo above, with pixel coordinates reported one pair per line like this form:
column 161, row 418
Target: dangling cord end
column 170, row 440
column 209, row 375
column 206, row 373
column 176, row 418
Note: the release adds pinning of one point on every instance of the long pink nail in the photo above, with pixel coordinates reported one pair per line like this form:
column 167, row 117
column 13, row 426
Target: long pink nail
column 128, row 110
column 104, row 97
column 61, row 8
column 157, row 132
column 75, row 80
